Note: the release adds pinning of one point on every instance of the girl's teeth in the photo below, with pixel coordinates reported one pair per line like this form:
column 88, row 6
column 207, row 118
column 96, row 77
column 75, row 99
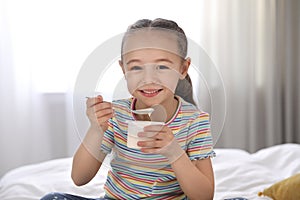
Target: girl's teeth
column 151, row 92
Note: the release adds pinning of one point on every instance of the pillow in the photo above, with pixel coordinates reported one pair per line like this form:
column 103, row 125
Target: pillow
column 287, row 189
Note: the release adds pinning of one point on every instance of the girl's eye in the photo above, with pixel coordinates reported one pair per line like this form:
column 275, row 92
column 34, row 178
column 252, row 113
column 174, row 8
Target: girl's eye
column 162, row 67
column 136, row 68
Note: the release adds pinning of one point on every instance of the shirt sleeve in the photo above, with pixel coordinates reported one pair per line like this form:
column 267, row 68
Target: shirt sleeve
column 200, row 143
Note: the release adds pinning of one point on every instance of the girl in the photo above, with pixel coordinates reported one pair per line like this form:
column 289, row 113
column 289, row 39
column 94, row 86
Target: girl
column 174, row 163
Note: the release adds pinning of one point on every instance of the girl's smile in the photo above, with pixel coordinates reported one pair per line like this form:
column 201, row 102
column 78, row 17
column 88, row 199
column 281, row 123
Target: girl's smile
column 150, row 92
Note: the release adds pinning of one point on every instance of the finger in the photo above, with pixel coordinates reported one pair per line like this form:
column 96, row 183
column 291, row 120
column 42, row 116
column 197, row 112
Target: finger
column 151, row 144
column 154, row 128
column 102, row 106
column 91, row 101
column 105, row 114
column 104, row 119
column 100, row 113
column 162, row 136
column 99, row 107
column 147, row 134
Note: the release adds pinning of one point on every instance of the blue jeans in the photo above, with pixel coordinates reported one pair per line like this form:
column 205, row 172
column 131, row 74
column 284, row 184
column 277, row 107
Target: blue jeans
column 64, row 196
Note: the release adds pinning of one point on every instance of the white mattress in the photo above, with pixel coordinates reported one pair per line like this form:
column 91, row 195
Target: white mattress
column 237, row 174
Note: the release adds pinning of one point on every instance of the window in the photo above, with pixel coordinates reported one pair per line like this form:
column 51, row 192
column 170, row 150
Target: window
column 51, row 39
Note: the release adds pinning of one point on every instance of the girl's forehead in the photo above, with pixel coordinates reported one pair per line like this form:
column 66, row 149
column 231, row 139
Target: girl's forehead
column 151, row 39
column 150, row 55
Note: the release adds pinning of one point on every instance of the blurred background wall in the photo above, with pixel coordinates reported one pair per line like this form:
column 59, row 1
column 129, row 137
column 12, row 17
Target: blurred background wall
column 253, row 44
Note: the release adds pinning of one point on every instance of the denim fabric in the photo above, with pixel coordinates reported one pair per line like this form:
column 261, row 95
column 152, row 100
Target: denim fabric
column 64, row 196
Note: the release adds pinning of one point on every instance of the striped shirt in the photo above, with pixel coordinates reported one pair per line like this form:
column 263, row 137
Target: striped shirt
column 137, row 175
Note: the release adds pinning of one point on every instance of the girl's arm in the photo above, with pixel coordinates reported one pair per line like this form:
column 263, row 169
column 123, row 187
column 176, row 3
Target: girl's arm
column 88, row 158
column 196, row 178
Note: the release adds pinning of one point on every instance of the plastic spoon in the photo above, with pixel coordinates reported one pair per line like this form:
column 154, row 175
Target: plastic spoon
column 145, row 111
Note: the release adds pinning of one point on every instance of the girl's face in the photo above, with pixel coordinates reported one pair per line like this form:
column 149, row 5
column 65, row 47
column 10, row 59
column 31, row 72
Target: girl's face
column 152, row 75
column 152, row 66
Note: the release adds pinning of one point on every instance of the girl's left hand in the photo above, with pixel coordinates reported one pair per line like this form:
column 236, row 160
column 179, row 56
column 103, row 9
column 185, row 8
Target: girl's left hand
column 163, row 142
column 162, row 135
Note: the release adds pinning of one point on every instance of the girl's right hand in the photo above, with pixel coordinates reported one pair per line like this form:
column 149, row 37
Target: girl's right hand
column 98, row 112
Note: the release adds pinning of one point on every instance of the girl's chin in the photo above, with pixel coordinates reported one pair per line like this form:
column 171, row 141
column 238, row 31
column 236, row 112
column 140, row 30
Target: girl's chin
column 147, row 101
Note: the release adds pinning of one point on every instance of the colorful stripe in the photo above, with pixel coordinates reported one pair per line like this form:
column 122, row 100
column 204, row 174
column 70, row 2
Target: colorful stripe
column 136, row 175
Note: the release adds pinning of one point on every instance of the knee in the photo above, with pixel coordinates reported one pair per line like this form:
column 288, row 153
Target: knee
column 52, row 196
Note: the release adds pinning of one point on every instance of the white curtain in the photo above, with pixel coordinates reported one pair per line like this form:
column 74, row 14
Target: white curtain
column 43, row 45
column 32, row 125
column 255, row 45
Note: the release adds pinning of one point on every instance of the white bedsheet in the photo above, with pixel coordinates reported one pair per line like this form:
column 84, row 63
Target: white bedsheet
column 240, row 174
column 237, row 174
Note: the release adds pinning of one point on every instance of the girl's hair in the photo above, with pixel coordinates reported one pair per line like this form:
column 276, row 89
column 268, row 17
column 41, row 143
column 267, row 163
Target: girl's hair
column 184, row 87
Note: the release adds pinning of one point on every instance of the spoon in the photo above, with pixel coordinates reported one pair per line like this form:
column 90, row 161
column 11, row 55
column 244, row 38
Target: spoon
column 145, row 111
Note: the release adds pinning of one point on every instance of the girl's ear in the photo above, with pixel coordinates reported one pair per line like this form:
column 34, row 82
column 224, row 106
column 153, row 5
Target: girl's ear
column 184, row 67
column 122, row 66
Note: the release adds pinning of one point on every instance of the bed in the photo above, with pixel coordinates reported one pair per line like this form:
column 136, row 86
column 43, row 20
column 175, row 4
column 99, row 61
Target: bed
column 237, row 174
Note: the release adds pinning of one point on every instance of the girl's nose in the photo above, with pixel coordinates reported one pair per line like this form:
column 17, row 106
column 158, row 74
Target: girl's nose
column 149, row 75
